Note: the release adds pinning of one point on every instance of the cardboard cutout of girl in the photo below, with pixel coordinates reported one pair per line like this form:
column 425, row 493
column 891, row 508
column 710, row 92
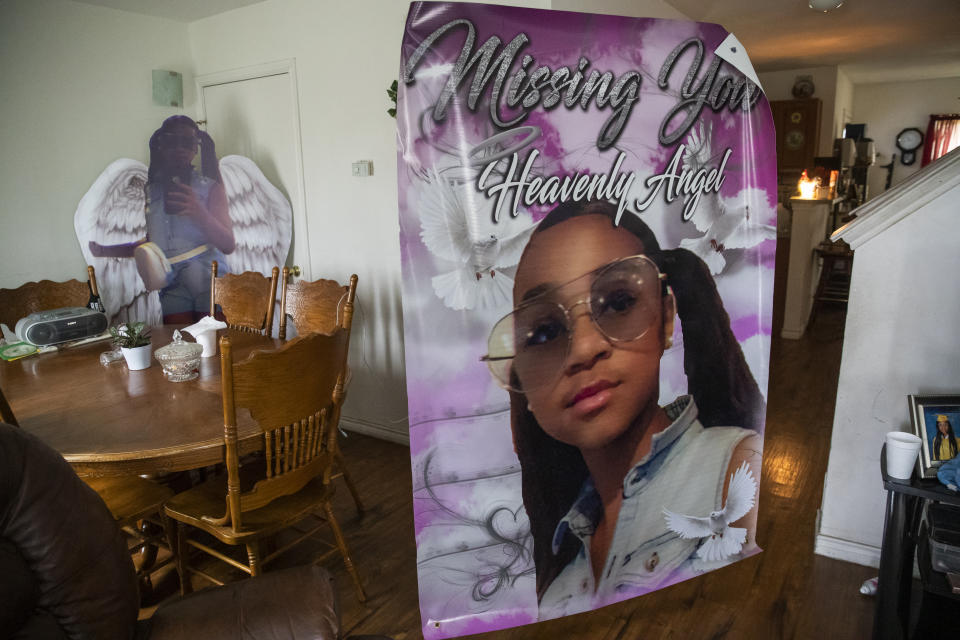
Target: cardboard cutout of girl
column 175, row 219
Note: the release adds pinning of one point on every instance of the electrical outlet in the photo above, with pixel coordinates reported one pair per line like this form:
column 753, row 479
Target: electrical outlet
column 362, row 168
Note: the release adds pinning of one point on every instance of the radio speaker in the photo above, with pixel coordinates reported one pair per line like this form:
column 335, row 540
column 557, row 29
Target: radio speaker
column 61, row 325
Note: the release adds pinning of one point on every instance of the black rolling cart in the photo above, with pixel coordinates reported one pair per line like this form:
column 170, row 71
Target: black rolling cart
column 905, row 536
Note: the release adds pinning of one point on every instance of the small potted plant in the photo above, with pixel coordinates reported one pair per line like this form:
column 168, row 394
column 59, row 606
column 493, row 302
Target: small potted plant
column 134, row 342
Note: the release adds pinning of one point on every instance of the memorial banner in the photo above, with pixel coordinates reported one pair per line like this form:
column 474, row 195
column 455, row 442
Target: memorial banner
column 587, row 228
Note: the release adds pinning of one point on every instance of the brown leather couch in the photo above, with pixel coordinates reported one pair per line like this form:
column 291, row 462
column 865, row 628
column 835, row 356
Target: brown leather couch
column 65, row 571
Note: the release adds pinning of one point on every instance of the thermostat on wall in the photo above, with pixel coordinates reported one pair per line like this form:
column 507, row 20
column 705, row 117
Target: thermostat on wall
column 363, row 168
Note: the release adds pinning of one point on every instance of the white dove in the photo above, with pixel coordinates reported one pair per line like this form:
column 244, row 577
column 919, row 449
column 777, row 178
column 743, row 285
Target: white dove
column 696, row 155
column 456, row 224
column 737, row 226
column 722, row 540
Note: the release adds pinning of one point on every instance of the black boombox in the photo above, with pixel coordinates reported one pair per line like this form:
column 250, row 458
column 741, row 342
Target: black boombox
column 61, row 325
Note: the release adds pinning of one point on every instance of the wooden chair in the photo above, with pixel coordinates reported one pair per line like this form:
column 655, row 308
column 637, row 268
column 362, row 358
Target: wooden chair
column 247, row 299
column 131, row 500
column 835, row 273
column 136, row 505
column 320, row 306
column 294, row 393
column 40, row 296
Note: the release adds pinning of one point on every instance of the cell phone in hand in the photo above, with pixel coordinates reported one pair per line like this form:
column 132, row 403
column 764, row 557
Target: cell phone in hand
column 169, row 188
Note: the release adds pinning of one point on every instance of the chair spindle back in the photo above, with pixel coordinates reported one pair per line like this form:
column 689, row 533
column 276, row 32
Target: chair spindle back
column 294, row 393
column 318, row 306
column 247, row 299
column 41, row 296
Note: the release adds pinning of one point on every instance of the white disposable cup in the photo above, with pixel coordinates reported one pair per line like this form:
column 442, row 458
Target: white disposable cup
column 902, row 450
column 208, row 340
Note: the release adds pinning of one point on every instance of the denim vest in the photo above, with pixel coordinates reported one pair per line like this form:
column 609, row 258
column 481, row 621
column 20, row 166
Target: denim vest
column 175, row 233
column 684, row 472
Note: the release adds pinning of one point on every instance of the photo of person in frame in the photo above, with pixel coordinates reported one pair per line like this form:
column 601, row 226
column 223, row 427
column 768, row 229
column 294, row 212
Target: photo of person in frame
column 603, row 465
column 945, row 444
column 187, row 219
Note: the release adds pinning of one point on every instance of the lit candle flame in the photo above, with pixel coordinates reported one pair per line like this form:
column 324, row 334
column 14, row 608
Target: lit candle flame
column 808, row 187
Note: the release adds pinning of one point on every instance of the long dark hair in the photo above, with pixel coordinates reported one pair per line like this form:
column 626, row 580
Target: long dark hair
column 209, row 166
column 951, row 438
column 717, row 377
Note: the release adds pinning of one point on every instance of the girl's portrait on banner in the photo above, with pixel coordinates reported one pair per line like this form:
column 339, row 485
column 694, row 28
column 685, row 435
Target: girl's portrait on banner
column 587, row 225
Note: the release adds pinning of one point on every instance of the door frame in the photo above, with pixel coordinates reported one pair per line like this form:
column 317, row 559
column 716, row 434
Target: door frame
column 286, row 67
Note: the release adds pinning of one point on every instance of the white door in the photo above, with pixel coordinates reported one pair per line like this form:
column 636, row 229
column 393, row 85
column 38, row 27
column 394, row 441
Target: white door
column 254, row 113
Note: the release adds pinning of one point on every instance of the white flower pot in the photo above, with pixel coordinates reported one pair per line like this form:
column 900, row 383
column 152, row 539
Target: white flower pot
column 138, row 357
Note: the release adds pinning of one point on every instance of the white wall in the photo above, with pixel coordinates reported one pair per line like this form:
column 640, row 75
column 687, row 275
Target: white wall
column 843, row 105
column 778, row 85
column 347, row 54
column 888, row 108
column 76, row 94
column 900, row 339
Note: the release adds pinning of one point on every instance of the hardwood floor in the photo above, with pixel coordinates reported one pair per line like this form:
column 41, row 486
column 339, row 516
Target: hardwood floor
column 785, row 592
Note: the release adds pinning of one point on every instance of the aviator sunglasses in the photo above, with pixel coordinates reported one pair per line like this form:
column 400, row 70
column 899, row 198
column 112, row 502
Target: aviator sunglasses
column 528, row 347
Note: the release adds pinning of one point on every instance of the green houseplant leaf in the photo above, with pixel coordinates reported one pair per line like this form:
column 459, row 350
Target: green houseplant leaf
column 130, row 336
column 392, row 94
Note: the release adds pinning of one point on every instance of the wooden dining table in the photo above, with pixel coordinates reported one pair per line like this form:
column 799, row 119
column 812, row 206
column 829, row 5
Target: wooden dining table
column 108, row 420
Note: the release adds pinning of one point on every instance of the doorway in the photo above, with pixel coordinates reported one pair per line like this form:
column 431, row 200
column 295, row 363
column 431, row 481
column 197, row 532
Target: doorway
column 254, row 112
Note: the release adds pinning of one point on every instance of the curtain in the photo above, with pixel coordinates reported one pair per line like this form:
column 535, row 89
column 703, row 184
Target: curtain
column 943, row 135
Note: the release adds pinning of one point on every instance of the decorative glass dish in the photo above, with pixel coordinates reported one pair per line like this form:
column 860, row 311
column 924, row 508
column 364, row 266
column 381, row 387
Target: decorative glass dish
column 180, row 360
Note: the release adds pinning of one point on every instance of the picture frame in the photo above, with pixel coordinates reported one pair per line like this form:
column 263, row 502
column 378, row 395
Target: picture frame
column 926, row 413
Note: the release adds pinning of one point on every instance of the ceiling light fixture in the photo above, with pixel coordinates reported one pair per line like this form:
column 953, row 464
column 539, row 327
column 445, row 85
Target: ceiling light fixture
column 825, row 5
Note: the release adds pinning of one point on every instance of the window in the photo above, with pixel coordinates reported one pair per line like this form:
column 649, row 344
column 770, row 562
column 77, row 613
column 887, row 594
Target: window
column 943, row 136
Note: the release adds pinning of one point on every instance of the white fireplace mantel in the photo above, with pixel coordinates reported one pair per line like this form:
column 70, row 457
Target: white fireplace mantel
column 807, row 230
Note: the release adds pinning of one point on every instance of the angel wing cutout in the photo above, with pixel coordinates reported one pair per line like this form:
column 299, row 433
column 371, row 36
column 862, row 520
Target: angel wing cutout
column 722, row 540
column 456, row 225
column 261, row 215
column 112, row 212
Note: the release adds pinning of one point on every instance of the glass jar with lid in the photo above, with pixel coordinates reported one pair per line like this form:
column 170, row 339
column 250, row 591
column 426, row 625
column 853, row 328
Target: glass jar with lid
column 180, row 359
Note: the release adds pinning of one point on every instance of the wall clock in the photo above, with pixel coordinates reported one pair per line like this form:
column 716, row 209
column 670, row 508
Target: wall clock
column 794, row 139
column 908, row 141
